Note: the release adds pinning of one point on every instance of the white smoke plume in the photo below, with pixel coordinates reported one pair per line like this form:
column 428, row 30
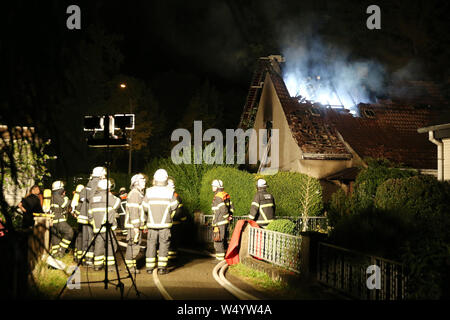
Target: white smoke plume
column 326, row 73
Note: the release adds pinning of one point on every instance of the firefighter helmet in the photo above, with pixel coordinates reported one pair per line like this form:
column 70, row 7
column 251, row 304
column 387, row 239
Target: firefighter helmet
column 217, row 183
column 261, row 183
column 139, row 180
column 57, row 185
column 171, row 183
column 160, row 175
column 99, row 172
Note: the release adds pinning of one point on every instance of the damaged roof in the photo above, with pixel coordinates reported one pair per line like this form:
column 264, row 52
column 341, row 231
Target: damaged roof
column 380, row 131
column 317, row 138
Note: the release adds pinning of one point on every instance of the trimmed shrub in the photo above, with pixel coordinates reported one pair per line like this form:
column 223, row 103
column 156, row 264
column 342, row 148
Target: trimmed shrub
column 295, row 194
column 240, row 185
column 370, row 178
column 419, row 196
column 282, row 225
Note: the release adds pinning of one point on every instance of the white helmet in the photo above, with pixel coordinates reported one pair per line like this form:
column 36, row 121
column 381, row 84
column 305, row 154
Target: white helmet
column 217, row 183
column 171, row 183
column 138, row 179
column 160, row 175
column 57, row 185
column 99, row 172
column 103, row 184
column 261, row 183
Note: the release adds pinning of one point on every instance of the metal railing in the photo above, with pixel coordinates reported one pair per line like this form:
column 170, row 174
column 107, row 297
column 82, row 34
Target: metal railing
column 275, row 247
column 346, row 271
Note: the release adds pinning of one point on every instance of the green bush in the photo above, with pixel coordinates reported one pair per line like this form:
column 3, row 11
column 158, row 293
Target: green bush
column 370, row 178
column 240, row 185
column 282, row 225
column 417, row 196
column 295, row 194
column 339, row 207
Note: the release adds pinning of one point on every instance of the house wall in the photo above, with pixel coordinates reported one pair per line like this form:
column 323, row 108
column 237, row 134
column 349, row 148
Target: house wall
column 289, row 152
column 446, row 153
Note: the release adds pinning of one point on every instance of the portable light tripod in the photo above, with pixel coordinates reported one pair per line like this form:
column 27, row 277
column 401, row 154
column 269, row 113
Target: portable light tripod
column 107, row 142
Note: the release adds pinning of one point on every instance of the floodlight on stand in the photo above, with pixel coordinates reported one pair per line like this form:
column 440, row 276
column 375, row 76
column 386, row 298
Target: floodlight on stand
column 93, row 123
column 124, row 121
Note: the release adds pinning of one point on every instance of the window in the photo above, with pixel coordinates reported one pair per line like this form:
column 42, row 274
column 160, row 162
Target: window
column 369, row 113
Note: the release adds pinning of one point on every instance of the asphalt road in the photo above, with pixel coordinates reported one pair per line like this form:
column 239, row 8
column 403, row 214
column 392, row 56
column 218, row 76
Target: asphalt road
column 189, row 279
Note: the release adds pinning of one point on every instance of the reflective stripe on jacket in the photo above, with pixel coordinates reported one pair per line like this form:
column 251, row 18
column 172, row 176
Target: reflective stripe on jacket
column 97, row 211
column 222, row 207
column 134, row 216
column 159, row 202
column 262, row 210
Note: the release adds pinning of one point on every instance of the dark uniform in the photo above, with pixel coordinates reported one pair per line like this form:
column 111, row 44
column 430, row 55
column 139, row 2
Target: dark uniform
column 134, row 220
column 61, row 231
column 178, row 218
column 223, row 211
column 97, row 217
column 159, row 202
column 86, row 234
column 78, row 252
column 262, row 210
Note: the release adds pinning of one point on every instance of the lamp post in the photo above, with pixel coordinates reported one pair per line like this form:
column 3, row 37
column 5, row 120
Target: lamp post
column 123, row 85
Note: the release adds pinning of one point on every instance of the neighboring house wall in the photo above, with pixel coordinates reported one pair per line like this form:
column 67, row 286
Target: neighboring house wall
column 446, row 146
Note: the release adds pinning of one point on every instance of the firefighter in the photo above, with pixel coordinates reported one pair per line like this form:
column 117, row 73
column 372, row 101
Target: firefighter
column 134, row 220
column 223, row 211
column 86, row 234
column 177, row 218
column 62, row 232
column 159, row 202
column 98, row 205
column 262, row 210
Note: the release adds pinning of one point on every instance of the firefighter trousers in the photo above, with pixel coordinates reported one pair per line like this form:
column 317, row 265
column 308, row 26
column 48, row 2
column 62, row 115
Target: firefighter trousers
column 163, row 237
column 99, row 250
column 174, row 241
column 220, row 246
column 61, row 234
column 84, row 238
column 133, row 246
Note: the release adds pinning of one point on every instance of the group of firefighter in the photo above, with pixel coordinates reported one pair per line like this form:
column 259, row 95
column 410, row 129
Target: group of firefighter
column 156, row 211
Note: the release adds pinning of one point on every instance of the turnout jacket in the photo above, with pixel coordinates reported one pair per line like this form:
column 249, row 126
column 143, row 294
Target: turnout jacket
column 82, row 209
column 134, row 215
column 59, row 206
column 222, row 208
column 262, row 210
column 97, row 212
column 159, row 203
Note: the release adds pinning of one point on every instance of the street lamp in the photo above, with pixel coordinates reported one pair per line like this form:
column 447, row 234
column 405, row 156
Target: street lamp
column 123, row 85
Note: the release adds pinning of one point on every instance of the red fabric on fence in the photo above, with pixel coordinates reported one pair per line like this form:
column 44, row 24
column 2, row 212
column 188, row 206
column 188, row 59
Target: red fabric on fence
column 232, row 256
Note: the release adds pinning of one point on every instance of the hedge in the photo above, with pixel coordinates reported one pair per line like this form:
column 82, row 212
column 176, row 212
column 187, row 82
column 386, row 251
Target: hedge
column 238, row 184
column 294, row 193
column 282, row 225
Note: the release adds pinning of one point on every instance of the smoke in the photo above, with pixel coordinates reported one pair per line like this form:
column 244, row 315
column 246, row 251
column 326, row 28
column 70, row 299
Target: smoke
column 325, row 73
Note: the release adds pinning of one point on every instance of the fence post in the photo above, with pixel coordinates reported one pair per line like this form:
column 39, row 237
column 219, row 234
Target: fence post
column 309, row 253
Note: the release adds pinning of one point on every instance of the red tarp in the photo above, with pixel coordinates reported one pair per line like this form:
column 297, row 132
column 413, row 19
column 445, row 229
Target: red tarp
column 232, row 256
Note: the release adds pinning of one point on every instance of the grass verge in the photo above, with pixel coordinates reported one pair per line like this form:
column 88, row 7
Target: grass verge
column 48, row 282
column 277, row 289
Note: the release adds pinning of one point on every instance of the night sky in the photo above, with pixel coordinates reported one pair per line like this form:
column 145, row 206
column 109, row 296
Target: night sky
column 193, row 59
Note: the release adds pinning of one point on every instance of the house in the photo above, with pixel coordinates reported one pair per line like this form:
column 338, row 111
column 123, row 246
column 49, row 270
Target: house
column 329, row 143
